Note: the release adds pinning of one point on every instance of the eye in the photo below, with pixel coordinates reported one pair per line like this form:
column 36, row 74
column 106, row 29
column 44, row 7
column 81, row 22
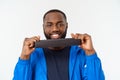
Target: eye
column 60, row 24
column 48, row 25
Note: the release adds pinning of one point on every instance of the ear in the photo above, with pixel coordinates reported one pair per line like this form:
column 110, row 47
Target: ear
column 43, row 26
column 66, row 25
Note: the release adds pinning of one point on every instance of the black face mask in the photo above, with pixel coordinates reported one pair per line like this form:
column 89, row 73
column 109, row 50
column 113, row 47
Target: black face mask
column 61, row 36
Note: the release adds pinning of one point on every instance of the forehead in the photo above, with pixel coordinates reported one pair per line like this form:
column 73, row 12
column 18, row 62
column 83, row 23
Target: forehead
column 52, row 16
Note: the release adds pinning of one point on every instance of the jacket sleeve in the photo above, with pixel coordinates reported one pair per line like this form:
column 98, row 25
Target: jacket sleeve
column 92, row 68
column 22, row 70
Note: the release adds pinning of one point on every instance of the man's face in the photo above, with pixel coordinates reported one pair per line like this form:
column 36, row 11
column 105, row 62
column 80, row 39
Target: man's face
column 55, row 26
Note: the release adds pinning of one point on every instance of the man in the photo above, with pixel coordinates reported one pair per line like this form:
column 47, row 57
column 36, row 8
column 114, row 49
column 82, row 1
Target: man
column 58, row 63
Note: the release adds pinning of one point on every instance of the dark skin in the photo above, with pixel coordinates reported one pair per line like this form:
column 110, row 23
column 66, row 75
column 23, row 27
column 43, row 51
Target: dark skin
column 55, row 27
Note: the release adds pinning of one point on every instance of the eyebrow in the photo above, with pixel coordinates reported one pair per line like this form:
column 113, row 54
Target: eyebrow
column 60, row 21
column 57, row 22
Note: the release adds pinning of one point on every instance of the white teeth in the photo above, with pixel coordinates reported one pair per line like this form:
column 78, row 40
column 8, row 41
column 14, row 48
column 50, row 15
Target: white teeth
column 55, row 36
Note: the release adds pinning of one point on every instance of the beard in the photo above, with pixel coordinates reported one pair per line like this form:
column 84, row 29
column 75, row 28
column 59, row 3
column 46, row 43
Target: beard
column 63, row 35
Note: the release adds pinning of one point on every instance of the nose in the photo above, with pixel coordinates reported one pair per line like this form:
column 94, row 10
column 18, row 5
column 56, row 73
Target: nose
column 55, row 28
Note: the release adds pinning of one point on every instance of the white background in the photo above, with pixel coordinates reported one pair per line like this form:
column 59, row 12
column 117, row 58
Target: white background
column 23, row 18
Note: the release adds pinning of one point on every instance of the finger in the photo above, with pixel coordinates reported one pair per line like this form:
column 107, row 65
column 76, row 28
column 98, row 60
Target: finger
column 72, row 35
column 26, row 42
column 32, row 45
column 33, row 40
column 78, row 36
column 81, row 36
column 36, row 38
column 29, row 43
column 87, row 36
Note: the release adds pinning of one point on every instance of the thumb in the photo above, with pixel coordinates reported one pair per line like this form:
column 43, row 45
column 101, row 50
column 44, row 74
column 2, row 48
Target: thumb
column 72, row 35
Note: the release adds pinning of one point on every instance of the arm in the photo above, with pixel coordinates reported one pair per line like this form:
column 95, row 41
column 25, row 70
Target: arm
column 91, row 67
column 86, row 45
column 23, row 69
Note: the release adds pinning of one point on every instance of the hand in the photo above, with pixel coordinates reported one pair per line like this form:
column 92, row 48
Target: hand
column 86, row 42
column 28, row 47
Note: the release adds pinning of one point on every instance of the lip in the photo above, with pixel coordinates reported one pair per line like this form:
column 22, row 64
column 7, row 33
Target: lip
column 55, row 36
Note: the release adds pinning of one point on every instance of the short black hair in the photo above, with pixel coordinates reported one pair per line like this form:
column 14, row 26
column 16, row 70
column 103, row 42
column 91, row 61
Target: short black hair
column 55, row 10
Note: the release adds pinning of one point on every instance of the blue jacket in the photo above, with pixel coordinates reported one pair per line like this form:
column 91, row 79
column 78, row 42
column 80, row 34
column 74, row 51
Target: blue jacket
column 81, row 66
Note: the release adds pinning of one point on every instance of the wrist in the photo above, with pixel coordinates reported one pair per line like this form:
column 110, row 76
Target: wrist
column 24, row 57
column 90, row 52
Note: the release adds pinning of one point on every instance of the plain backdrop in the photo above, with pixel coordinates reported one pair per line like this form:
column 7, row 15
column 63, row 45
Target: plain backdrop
column 23, row 18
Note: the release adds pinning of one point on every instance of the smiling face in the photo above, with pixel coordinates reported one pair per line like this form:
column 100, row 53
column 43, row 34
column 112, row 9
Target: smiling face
column 55, row 25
